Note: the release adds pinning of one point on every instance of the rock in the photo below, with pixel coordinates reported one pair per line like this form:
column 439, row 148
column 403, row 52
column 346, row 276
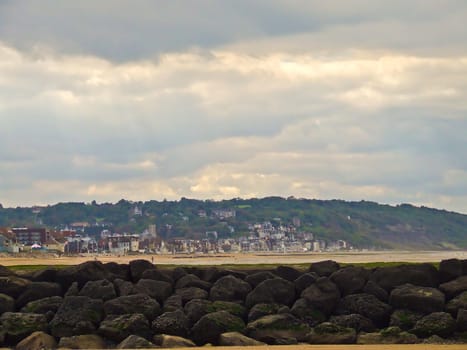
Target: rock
column 356, row 321
column 462, row 320
column 124, row 288
column 46, row 275
column 135, row 342
column 7, row 303
column 178, row 273
column 323, row 295
column 451, row 269
column 172, row 303
column 76, row 316
column 404, row 319
column 229, row 288
column 212, row 325
column 119, row 327
column 324, row 268
column 286, row 272
column 38, row 290
column 276, row 290
column 304, row 281
column 157, row 275
column 330, row 333
column 454, row 287
column 351, row 279
column 82, row 273
column 437, row 323
column 13, row 286
column 191, row 293
column 258, row 277
column 459, row 302
column 136, row 303
column 366, row 305
column 421, row 299
column 5, row 271
column 172, row 323
column 171, row 341
column 232, row 308
column 212, row 274
column 158, row 290
column 73, row 290
column 197, row 308
column 237, row 339
column 190, row 280
column 373, row 288
column 84, row 341
column 425, row 275
column 305, row 311
column 263, row 309
column 16, row 326
column 137, row 267
column 47, row 306
column 101, row 289
column 390, row 335
column 279, row 326
column 121, row 271
column 37, row 341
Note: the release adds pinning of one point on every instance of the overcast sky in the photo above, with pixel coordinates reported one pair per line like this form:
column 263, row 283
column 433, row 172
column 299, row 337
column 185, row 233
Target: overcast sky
column 355, row 99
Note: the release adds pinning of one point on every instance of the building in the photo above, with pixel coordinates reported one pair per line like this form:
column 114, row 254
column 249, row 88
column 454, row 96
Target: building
column 122, row 244
column 224, row 213
column 29, row 236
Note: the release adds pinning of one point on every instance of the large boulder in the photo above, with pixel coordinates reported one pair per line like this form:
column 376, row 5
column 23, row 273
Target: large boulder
column 82, row 273
column 263, row 309
column 390, row 335
column 47, row 306
column 351, row 279
column 256, row 278
column 135, row 342
column 46, row 275
column 212, row 325
column 84, row 341
column 280, row 326
column 37, row 341
column 157, row 275
column 425, row 275
column 5, row 271
column 101, row 289
column 454, row 287
column 324, row 268
column 158, row 290
column 137, row 267
column 456, row 304
column 118, row 327
column 172, row 341
column 121, row 271
column 356, row 321
column 462, row 320
column 172, row 303
column 305, row 311
column 286, row 272
column 124, row 288
column 437, row 323
column 276, row 290
column 77, row 315
column 38, row 290
column 13, row 286
column 451, row 269
column 190, row 280
column 324, row 295
column 404, row 319
column 7, row 303
column 136, row 303
column 366, row 305
column 172, row 323
column 197, row 308
column 231, row 307
column 330, row 333
column 16, row 326
column 229, row 288
column 191, row 293
column 372, row 287
column 304, row 281
column 237, row 339
column 421, row 299
column 212, row 274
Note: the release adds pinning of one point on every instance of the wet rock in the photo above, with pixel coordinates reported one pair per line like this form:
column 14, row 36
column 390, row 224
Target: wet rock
column 451, row 269
column 366, row 305
column 276, row 290
column 462, row 320
column 84, row 341
column 229, row 288
column 323, row 295
column 324, row 268
column 158, row 290
column 330, row 333
column 356, row 321
column 47, row 306
column 119, row 327
column 425, row 275
column 237, row 339
column 137, row 268
column 171, row 341
column 46, row 275
column 38, row 290
column 279, row 326
column 157, row 275
column 37, row 341
column 16, row 326
column 73, row 290
column 121, row 271
column 102, row 289
column 82, row 273
column 421, row 299
column 351, row 279
column 172, row 303
column 136, row 303
column 124, row 288
column 437, row 323
column 197, row 308
column 172, row 323
column 13, row 286
column 212, row 325
column 135, row 342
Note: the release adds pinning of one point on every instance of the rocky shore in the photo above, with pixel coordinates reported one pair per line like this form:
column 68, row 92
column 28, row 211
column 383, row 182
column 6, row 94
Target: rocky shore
column 140, row 305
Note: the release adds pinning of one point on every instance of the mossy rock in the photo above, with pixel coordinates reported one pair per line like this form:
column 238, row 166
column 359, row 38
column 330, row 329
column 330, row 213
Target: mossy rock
column 278, row 326
column 211, row 326
column 233, row 308
column 17, row 326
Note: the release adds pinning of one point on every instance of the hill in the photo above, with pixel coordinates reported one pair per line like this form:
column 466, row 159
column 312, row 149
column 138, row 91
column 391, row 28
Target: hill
column 363, row 224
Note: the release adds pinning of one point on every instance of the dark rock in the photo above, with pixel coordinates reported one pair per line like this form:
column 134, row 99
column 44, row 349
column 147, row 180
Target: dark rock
column 229, row 288
column 286, row 272
column 373, row 288
column 232, row 308
column 450, row 269
column 172, row 303
column 421, row 299
column 7, row 303
column 366, row 305
column 135, row 342
column 212, row 325
column 323, row 295
column 13, row 285
column 404, row 319
column 279, row 326
column 157, row 275
column 37, row 341
column 102, row 289
column 121, row 271
column 454, row 287
column 190, row 280
column 213, row 274
column 191, row 293
column 304, row 281
column 76, row 316
column 330, row 333
column 5, row 271
column 390, row 335
column 172, row 341
column 124, row 288
column 197, row 308
column 456, row 304
column 47, row 306
column 158, row 290
column 82, row 273
column 437, row 323
column 119, row 327
column 284, row 310
column 46, row 275
column 258, row 277
column 425, row 275
column 137, row 267
column 16, row 326
column 462, row 320
column 136, row 303
column 356, row 321
column 178, row 273
column 276, row 290
column 263, row 309
column 237, row 339
column 84, row 341
column 172, row 323
column 38, row 290
column 351, row 279
column 305, row 311
column 324, row 268
column 73, row 290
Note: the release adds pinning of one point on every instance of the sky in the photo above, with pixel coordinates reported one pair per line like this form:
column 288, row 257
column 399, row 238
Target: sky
column 354, row 100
